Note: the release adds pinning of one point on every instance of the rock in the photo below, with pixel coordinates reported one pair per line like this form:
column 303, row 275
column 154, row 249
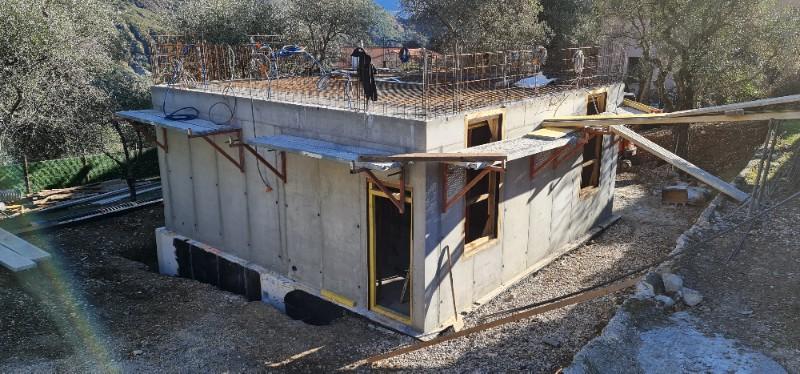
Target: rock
column 644, row 290
column 691, row 297
column 551, row 341
column 138, row 352
column 655, row 280
column 672, row 282
column 627, row 164
column 666, row 301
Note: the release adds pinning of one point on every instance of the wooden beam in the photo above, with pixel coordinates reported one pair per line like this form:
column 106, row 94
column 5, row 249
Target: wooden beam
column 659, row 119
column 730, row 108
column 435, row 157
column 279, row 173
column 13, row 261
column 640, row 106
column 400, row 202
column 512, row 318
column 680, row 163
column 22, row 247
column 239, row 164
column 792, row 99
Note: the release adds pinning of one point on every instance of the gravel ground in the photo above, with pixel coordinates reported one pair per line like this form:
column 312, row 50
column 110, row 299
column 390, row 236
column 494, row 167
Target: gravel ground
column 547, row 342
column 100, row 306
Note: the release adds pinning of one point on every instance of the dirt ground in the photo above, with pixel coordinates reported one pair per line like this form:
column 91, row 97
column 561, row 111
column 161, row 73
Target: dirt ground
column 755, row 297
column 100, row 306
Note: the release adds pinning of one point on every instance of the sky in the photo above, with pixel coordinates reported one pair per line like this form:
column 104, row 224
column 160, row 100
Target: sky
column 390, row 5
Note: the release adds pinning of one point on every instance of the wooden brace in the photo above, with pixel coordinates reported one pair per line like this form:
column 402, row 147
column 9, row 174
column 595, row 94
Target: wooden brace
column 239, row 164
column 279, row 173
column 448, row 202
column 399, row 203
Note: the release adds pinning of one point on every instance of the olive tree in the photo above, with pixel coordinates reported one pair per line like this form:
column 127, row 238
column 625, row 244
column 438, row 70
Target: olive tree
column 50, row 53
column 475, row 25
column 714, row 51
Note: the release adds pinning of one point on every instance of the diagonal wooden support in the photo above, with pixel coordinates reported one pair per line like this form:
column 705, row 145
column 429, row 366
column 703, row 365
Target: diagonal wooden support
column 686, row 166
column 279, row 173
column 164, row 146
column 448, row 202
column 400, row 202
column 238, row 163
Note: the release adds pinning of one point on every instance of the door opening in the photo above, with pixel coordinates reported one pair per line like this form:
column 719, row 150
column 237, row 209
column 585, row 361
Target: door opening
column 390, row 256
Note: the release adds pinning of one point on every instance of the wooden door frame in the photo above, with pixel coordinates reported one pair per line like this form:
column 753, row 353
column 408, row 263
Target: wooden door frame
column 372, row 194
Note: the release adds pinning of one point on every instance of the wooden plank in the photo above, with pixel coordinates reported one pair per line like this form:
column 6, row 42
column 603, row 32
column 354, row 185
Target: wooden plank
column 640, row 106
column 551, row 133
column 22, row 247
column 13, row 261
column 435, row 157
column 680, row 163
column 660, row 119
column 746, row 105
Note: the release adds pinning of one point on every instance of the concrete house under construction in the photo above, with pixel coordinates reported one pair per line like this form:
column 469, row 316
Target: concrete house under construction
column 278, row 182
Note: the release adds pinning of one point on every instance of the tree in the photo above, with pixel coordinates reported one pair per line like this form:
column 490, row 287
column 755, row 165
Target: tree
column 231, row 21
column 571, row 22
column 50, row 52
column 126, row 90
column 322, row 27
column 327, row 25
column 477, row 25
column 714, row 51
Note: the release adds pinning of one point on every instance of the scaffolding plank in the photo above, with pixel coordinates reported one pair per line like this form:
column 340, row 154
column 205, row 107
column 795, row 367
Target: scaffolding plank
column 22, row 247
column 194, row 127
column 680, row 163
column 13, row 261
column 436, row 157
column 526, row 146
column 321, row 149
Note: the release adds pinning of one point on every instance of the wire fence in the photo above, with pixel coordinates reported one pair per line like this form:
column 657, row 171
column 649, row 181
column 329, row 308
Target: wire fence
column 416, row 83
column 71, row 172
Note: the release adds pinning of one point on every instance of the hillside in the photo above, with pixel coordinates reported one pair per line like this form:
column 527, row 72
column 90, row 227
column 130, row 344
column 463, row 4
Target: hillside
column 138, row 21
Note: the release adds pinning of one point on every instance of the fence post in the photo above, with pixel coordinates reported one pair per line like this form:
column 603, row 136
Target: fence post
column 26, row 173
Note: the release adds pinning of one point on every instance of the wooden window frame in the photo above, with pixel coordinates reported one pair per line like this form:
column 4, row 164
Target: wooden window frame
column 588, row 189
column 601, row 101
column 493, row 119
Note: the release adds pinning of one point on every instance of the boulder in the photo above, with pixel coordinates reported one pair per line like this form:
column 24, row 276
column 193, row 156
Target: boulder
column 672, row 283
column 665, row 300
column 691, row 297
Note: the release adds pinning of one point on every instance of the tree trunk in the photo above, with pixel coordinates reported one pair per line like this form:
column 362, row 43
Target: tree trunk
column 131, row 181
column 27, row 174
column 685, row 101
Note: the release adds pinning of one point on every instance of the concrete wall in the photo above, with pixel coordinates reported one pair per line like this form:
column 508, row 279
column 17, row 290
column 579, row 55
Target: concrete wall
column 540, row 218
column 313, row 229
column 447, row 134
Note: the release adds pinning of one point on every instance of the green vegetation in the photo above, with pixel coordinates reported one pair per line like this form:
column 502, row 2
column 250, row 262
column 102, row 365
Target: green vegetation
column 785, row 151
column 73, row 171
column 477, row 25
